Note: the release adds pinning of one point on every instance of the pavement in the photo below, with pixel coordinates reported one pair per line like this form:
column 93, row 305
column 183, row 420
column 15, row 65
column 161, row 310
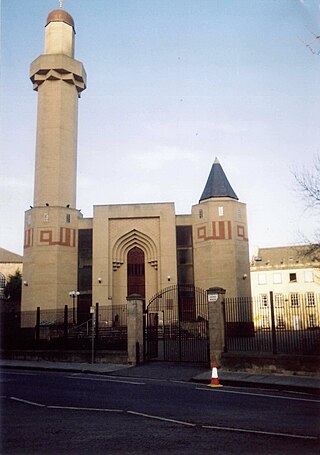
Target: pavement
column 177, row 372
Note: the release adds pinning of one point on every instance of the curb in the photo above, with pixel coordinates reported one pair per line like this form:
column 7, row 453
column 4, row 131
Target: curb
column 84, row 370
column 264, row 385
column 271, row 385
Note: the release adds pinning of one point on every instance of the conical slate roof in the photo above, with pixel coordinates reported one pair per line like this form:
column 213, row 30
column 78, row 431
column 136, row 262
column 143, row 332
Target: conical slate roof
column 217, row 184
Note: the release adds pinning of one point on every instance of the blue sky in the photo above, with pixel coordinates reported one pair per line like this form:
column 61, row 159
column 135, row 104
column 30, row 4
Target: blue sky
column 171, row 85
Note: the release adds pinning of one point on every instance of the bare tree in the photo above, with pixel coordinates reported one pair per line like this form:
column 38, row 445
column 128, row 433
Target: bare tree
column 308, row 185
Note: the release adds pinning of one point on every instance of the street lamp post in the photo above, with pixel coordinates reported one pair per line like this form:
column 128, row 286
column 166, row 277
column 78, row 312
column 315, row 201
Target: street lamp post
column 74, row 295
column 92, row 332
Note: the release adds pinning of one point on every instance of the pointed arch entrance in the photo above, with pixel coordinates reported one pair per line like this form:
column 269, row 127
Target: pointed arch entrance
column 136, row 272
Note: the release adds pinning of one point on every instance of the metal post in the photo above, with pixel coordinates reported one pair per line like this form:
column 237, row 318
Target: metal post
column 97, row 323
column 73, row 310
column 74, row 295
column 38, row 325
column 273, row 326
column 179, row 322
column 65, row 322
column 92, row 333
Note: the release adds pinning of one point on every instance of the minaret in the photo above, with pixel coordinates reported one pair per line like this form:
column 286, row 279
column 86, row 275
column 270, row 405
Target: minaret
column 51, row 226
column 220, row 237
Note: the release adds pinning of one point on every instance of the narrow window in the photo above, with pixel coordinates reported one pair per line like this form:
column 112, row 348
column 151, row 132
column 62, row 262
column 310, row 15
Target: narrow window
column 265, row 322
column 312, row 321
column 295, row 322
column 294, row 299
column 278, row 300
column 262, row 278
column 280, row 322
column 310, row 299
column 68, row 218
column 293, row 277
column 2, row 285
column 46, row 217
column 263, row 300
column 220, row 210
column 308, row 276
column 277, row 278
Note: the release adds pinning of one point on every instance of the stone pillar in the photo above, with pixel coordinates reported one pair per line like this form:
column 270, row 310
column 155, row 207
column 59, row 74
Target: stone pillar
column 135, row 329
column 216, row 323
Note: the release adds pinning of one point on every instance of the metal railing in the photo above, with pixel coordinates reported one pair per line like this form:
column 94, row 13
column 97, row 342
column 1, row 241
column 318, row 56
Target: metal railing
column 274, row 323
column 60, row 329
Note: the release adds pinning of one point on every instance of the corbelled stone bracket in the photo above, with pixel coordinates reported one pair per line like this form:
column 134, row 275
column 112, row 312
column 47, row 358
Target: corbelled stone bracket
column 58, row 67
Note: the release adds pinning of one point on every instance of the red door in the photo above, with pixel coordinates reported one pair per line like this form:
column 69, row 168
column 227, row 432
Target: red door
column 135, row 272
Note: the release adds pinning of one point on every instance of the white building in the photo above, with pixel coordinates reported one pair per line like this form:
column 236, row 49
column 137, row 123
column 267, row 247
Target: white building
column 291, row 279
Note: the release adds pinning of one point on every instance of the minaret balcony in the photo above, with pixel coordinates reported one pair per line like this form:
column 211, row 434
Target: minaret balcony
column 58, row 67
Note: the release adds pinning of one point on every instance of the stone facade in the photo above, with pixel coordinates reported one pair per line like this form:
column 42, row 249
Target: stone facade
column 51, row 225
column 124, row 249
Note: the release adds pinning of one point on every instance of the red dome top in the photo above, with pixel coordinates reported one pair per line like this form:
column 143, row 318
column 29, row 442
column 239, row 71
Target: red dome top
column 59, row 15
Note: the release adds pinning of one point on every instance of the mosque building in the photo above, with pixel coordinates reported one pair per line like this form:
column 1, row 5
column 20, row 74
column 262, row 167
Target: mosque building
column 123, row 249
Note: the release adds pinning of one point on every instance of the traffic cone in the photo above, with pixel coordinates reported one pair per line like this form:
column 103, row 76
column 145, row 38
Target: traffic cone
column 214, row 376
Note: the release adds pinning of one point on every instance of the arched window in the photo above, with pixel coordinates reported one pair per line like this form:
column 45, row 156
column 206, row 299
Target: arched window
column 136, row 272
column 2, row 285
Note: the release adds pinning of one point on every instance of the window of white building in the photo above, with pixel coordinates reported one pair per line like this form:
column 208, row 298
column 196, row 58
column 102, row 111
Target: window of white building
column 278, row 300
column 277, row 278
column 263, row 298
column 312, row 322
column 294, row 299
column 310, row 299
column 262, row 278
column 281, row 322
column 308, row 276
column 2, row 285
column 265, row 322
column 293, row 277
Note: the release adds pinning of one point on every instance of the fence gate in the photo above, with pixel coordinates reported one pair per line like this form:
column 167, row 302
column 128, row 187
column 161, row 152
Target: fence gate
column 176, row 325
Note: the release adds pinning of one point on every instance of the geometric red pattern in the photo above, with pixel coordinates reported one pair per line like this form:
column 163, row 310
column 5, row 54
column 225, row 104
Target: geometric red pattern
column 220, row 230
column 67, row 237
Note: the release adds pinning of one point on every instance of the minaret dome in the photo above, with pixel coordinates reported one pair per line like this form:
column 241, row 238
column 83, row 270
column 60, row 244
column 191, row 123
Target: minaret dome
column 59, row 34
column 59, row 15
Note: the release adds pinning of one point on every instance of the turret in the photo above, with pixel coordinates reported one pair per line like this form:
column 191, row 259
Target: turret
column 220, row 237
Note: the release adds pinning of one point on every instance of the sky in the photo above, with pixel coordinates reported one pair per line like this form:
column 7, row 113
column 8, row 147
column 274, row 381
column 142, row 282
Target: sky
column 172, row 84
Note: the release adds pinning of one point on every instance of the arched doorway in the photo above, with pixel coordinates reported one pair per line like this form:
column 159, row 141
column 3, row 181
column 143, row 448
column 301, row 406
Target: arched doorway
column 136, row 272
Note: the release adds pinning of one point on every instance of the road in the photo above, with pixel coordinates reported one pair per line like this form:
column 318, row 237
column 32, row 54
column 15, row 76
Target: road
column 59, row 413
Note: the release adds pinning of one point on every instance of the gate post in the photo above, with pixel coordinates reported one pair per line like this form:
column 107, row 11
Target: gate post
column 135, row 305
column 216, row 323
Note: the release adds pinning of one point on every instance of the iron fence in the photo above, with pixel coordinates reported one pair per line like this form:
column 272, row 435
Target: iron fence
column 273, row 323
column 176, row 328
column 64, row 329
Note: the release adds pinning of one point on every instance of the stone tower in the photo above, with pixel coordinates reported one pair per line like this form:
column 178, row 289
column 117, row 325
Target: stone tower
column 220, row 237
column 51, row 225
